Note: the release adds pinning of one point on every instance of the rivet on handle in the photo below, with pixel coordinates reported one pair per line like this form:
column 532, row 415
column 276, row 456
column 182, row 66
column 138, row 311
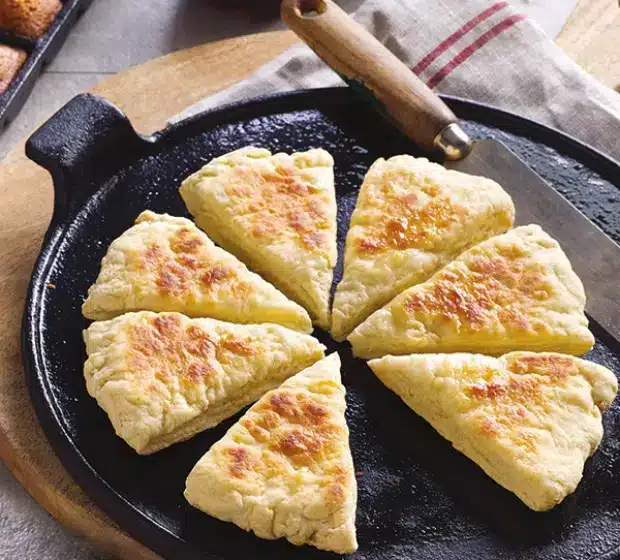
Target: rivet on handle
column 311, row 8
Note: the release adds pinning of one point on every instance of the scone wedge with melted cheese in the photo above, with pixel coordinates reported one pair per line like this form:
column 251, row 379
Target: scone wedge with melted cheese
column 163, row 377
column 515, row 291
column 165, row 263
column 285, row 469
column 411, row 218
column 277, row 213
column 529, row 420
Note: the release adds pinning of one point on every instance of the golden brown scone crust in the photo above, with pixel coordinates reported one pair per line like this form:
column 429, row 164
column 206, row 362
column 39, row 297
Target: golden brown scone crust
column 515, row 291
column 275, row 212
column 163, row 377
column 529, row 420
column 165, row 263
column 285, row 469
column 411, row 218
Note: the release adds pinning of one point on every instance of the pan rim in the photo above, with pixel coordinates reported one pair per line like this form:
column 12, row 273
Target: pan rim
column 342, row 91
column 131, row 519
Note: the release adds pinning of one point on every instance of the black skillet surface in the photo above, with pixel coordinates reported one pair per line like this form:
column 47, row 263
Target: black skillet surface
column 418, row 498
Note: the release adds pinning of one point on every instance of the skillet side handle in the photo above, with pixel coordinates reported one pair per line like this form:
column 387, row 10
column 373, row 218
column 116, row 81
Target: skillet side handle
column 370, row 68
column 86, row 139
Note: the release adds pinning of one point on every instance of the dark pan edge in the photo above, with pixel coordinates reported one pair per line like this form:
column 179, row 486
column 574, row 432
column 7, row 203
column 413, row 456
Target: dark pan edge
column 99, row 491
column 481, row 112
column 131, row 520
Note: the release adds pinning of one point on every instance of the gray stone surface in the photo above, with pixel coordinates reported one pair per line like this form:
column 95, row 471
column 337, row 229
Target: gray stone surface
column 112, row 35
column 27, row 531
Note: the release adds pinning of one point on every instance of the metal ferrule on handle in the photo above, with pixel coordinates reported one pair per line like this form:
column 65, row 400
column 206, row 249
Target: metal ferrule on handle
column 454, row 142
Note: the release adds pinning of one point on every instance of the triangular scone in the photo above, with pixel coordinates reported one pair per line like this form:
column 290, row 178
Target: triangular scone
column 411, row 218
column 529, row 420
column 285, row 469
column 277, row 213
column 516, row 291
column 163, row 377
column 164, row 263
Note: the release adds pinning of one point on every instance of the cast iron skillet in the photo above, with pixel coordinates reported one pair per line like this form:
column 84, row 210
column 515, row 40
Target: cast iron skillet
column 418, row 498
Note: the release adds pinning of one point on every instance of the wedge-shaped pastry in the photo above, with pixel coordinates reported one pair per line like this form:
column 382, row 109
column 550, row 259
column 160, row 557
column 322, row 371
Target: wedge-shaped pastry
column 164, row 263
column 285, row 469
column 529, row 420
column 516, row 291
column 412, row 217
column 277, row 213
column 162, row 378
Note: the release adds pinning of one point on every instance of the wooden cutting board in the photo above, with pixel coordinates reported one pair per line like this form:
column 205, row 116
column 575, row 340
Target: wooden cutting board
column 145, row 95
column 591, row 37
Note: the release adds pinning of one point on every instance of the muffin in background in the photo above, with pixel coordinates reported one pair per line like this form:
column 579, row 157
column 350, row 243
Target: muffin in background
column 30, row 18
column 11, row 60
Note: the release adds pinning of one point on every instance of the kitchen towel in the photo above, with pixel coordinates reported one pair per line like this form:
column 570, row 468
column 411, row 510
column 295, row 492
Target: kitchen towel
column 482, row 50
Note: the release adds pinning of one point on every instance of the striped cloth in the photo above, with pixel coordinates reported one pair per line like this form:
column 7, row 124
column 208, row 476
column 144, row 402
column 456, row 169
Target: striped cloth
column 478, row 49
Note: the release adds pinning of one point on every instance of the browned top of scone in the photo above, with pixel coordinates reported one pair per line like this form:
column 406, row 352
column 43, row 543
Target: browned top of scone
column 29, row 18
column 11, row 60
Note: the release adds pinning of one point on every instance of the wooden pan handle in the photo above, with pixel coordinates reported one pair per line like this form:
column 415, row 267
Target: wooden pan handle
column 361, row 59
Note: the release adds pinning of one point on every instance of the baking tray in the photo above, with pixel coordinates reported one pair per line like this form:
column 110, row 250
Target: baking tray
column 418, row 497
column 40, row 52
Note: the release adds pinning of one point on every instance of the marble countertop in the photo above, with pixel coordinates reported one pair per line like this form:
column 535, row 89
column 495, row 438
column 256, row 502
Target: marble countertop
column 113, row 35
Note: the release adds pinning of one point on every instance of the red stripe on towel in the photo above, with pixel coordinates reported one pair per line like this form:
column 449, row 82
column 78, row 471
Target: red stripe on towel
column 445, row 45
column 475, row 46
